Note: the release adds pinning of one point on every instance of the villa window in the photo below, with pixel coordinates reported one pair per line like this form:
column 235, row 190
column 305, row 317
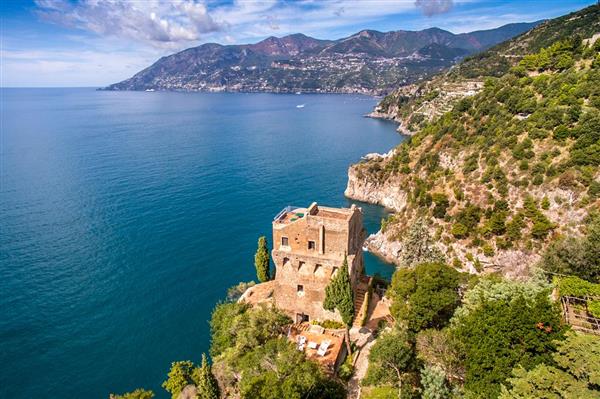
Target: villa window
column 312, row 245
column 284, row 241
column 300, row 264
column 300, row 289
column 335, row 270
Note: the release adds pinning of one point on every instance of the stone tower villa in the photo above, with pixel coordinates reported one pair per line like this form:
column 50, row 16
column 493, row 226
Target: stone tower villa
column 309, row 245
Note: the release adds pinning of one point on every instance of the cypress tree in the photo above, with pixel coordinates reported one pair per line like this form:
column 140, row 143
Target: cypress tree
column 339, row 294
column 261, row 260
column 206, row 383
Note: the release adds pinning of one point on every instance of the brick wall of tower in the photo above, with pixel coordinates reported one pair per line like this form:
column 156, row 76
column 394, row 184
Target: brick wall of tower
column 297, row 265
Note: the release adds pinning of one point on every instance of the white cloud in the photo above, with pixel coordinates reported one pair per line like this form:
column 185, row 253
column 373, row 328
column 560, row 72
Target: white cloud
column 432, row 7
column 160, row 23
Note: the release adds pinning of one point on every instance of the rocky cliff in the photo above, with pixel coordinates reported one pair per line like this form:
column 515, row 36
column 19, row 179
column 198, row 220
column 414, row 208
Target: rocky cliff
column 361, row 188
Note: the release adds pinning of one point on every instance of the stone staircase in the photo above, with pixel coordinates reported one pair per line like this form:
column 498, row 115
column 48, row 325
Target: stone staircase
column 359, row 298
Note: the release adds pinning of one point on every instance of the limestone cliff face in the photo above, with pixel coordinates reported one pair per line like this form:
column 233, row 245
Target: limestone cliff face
column 364, row 189
column 392, row 113
column 384, row 247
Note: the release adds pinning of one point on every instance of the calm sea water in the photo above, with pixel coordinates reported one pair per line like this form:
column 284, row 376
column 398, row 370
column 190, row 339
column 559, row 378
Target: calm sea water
column 124, row 218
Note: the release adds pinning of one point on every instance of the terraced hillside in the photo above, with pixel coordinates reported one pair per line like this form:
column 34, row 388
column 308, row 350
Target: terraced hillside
column 415, row 105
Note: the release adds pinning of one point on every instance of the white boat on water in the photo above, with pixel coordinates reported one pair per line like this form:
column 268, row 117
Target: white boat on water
column 298, row 92
column 149, row 89
column 300, row 105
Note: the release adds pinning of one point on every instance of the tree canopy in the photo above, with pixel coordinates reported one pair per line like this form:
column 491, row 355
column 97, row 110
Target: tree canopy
column 137, row 394
column 339, row 294
column 391, row 359
column 575, row 372
column 262, row 260
column 501, row 333
column 205, row 381
column 426, row 296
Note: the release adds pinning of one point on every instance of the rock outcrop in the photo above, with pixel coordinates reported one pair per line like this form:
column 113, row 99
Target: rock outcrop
column 361, row 188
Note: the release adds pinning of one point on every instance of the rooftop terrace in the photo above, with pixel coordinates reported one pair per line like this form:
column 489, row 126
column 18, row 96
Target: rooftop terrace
column 292, row 213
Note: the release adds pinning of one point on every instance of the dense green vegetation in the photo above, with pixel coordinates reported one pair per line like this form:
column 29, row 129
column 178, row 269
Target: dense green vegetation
column 503, row 168
column 426, row 296
column 253, row 358
column 262, row 260
column 506, row 339
column 339, row 294
column 574, row 372
column 136, row 394
column 498, row 338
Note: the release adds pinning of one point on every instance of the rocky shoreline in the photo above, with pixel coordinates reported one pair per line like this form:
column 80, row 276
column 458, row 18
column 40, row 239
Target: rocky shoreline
column 390, row 115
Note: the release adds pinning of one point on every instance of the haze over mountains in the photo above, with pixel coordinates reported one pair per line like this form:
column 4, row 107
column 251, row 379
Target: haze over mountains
column 367, row 62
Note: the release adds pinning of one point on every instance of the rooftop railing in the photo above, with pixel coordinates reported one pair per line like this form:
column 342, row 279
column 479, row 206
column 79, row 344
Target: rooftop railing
column 285, row 211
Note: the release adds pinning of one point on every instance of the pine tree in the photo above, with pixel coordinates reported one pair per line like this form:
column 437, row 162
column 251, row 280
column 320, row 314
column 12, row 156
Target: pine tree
column 205, row 381
column 419, row 247
column 339, row 294
column 261, row 260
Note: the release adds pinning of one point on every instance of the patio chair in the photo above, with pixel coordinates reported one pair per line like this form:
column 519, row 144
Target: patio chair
column 323, row 348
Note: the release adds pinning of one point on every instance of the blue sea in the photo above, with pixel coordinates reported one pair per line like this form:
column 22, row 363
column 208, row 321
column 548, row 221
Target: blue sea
column 125, row 216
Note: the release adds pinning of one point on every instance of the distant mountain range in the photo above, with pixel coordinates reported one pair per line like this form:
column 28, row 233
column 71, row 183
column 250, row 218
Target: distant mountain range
column 367, row 62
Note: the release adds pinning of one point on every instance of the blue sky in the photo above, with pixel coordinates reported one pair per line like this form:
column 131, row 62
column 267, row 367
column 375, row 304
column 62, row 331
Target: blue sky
column 63, row 43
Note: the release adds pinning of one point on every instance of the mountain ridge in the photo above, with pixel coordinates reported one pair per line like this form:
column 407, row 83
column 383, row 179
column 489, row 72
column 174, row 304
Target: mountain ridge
column 414, row 105
column 368, row 61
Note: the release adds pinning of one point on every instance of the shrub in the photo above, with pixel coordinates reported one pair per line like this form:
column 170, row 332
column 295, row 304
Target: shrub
column 456, row 263
column 346, row 369
column 524, row 165
column 331, row 324
column 488, row 250
column 499, row 334
column 426, row 296
column 441, row 204
column 137, row 394
column 459, row 230
column 537, row 180
column 594, row 189
column 433, row 380
column 574, row 286
column 545, row 203
column 576, row 256
column 234, row 293
column 594, row 308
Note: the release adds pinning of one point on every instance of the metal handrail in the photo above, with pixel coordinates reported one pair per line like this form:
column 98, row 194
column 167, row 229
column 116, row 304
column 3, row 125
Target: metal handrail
column 285, row 210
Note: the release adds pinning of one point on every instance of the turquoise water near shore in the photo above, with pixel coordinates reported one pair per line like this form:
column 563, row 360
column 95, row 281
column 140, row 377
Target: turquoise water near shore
column 125, row 216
